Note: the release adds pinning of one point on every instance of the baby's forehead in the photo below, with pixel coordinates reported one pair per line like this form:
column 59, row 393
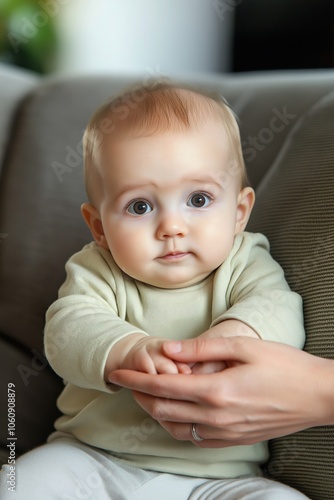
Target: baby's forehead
column 160, row 110
column 124, row 132
column 200, row 154
column 214, row 131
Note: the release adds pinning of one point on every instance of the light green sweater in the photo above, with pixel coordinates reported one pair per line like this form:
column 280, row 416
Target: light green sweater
column 98, row 305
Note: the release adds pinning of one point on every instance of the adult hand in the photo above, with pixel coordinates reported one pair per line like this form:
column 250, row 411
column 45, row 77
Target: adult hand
column 268, row 390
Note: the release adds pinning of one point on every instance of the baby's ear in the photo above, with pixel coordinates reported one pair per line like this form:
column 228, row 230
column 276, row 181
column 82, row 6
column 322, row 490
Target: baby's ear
column 246, row 201
column 92, row 218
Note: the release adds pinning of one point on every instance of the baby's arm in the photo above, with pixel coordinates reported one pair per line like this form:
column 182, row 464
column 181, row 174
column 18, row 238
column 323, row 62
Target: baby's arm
column 141, row 353
column 230, row 328
column 86, row 327
column 261, row 304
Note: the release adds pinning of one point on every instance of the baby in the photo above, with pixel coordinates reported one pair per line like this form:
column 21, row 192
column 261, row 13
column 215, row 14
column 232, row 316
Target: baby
column 168, row 206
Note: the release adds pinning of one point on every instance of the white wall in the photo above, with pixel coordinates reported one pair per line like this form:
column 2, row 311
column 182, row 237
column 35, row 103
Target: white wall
column 131, row 36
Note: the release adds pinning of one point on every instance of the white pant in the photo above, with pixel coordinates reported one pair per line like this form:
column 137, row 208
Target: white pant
column 66, row 469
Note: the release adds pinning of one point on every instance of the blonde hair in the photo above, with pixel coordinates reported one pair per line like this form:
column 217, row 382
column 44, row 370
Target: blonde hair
column 146, row 110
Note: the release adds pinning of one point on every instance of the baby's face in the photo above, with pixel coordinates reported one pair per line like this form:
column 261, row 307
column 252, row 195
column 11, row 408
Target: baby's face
column 170, row 208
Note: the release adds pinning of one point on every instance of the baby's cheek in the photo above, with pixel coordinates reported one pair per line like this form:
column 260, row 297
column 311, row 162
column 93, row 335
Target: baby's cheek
column 129, row 251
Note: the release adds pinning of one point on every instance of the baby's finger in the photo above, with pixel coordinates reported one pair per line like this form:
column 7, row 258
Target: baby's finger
column 208, row 367
column 165, row 365
column 183, row 368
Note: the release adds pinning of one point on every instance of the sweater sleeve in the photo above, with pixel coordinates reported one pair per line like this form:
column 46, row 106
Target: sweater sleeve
column 258, row 294
column 87, row 319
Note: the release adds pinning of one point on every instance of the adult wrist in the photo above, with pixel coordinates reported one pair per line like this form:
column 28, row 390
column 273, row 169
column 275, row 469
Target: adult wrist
column 324, row 404
column 321, row 392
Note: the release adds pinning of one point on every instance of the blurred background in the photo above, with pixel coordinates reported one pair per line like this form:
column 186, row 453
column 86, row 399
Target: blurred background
column 166, row 36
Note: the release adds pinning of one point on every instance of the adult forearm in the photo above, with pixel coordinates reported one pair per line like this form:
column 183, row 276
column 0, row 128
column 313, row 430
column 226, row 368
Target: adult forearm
column 324, row 391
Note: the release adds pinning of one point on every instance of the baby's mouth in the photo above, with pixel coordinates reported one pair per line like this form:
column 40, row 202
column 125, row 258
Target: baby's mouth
column 175, row 255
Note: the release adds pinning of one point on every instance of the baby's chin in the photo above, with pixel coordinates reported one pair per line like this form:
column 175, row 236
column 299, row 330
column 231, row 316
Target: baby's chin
column 175, row 282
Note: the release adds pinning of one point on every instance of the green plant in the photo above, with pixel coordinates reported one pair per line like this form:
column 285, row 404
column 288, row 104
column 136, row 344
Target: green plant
column 28, row 36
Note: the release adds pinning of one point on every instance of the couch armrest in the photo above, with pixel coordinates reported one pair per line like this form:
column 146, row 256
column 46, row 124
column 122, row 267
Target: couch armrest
column 15, row 84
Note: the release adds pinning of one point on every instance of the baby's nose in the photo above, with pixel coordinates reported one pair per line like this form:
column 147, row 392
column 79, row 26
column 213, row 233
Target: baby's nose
column 171, row 225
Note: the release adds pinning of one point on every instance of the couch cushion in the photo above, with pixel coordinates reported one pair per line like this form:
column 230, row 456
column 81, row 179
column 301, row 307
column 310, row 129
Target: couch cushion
column 40, row 195
column 15, row 84
column 41, row 187
column 268, row 105
column 41, row 184
column 36, row 389
column 295, row 209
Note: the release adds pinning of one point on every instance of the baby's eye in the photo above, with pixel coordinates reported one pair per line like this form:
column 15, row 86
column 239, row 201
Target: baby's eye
column 139, row 207
column 199, row 200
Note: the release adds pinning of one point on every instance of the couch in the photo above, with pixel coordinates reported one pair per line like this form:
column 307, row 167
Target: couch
column 287, row 127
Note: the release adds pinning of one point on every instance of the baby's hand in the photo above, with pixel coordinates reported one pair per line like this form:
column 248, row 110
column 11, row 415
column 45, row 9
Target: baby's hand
column 146, row 355
column 208, row 367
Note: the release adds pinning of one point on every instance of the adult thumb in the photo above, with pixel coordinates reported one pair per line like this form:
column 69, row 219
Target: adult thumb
column 202, row 349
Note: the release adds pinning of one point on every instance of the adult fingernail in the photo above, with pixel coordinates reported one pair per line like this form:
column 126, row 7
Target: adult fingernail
column 112, row 378
column 173, row 347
